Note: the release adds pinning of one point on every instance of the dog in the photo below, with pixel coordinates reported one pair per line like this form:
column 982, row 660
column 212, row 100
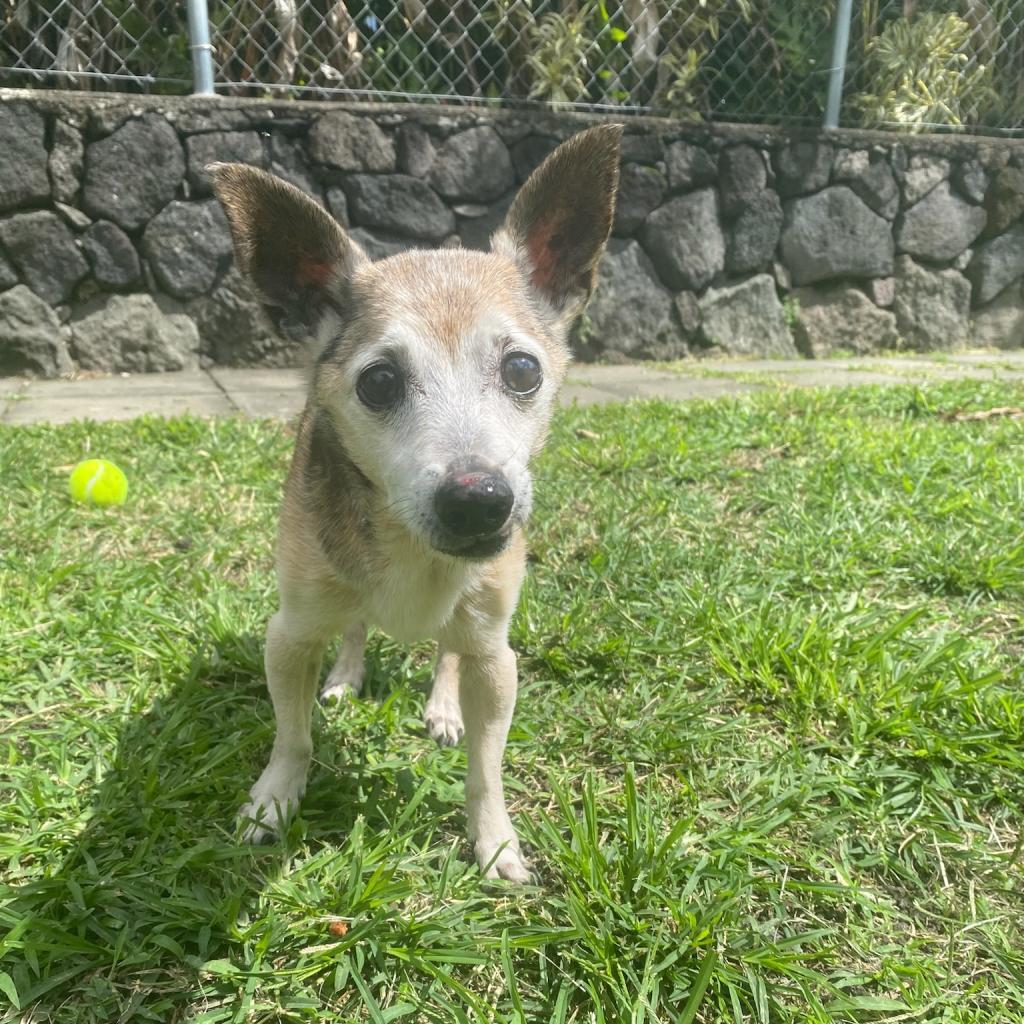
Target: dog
column 432, row 383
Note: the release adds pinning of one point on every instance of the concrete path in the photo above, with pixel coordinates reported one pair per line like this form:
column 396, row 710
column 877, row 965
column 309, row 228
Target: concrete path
column 279, row 393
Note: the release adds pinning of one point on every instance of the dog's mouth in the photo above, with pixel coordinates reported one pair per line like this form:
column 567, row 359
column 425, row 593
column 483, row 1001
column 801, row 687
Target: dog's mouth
column 476, row 548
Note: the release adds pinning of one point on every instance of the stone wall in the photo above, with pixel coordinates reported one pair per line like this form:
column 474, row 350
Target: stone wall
column 727, row 240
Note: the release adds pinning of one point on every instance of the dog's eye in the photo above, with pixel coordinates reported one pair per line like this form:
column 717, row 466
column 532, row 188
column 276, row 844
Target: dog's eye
column 521, row 373
column 380, row 386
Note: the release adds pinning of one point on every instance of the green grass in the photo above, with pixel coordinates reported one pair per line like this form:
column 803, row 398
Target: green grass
column 768, row 757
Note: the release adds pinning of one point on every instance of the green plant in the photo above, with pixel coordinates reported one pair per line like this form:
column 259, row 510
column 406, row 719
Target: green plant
column 791, row 311
column 922, row 74
column 558, row 60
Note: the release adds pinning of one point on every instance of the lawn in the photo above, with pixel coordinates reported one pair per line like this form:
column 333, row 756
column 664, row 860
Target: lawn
column 768, row 757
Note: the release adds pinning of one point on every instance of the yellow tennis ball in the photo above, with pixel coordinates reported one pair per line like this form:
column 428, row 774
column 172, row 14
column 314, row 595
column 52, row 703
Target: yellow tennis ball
column 98, row 482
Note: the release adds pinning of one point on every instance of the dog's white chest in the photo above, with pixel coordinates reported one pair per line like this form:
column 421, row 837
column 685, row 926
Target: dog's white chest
column 413, row 601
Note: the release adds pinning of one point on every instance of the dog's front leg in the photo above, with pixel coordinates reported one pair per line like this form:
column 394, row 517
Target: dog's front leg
column 293, row 666
column 442, row 715
column 487, row 693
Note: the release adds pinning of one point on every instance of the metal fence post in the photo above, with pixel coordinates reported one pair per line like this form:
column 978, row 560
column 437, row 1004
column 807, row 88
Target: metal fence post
column 199, row 45
column 840, row 44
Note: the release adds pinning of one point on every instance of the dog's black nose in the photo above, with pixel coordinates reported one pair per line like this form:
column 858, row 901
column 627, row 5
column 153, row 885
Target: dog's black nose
column 473, row 504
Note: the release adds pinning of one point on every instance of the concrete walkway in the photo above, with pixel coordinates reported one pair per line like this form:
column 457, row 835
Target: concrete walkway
column 279, row 393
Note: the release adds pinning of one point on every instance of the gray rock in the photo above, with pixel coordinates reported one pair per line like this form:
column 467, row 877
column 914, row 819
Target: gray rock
column 971, row 179
column 689, row 167
column 1004, row 201
column 642, row 147
column 685, row 241
column 631, row 312
column 187, row 245
column 23, row 174
column 415, row 150
column 782, row 276
column 688, row 312
column 752, row 238
column 349, row 143
column 870, row 177
column 996, row 264
column 641, row 190
column 132, row 175
column 112, row 257
column 67, row 158
column 235, row 330
column 398, row 203
column 473, row 165
column 72, row 216
column 1000, row 324
column 31, row 337
column 834, row 234
column 133, row 334
column 940, row 226
column 932, row 307
column 529, row 153
column 963, row 261
column 337, row 203
column 288, row 161
column 838, row 318
column 746, row 319
column 45, row 252
column 380, row 246
column 882, row 291
column 475, row 231
column 8, row 275
column 923, row 173
column 220, row 147
column 802, row 167
column 743, row 176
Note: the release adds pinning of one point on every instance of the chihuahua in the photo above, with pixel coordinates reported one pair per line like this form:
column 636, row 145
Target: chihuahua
column 432, row 384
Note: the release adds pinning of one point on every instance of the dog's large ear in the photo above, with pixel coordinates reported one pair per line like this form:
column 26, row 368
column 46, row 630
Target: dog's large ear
column 296, row 254
column 559, row 223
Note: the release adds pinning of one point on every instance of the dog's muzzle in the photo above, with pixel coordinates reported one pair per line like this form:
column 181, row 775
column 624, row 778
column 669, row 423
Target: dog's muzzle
column 473, row 506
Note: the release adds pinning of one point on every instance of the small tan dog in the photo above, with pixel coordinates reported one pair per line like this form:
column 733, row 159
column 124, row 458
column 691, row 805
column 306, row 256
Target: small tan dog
column 432, row 386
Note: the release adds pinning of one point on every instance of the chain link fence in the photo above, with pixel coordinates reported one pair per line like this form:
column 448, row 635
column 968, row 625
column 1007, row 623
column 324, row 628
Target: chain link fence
column 910, row 64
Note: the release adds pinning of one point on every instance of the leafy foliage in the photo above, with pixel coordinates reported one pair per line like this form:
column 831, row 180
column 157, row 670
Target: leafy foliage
column 922, row 74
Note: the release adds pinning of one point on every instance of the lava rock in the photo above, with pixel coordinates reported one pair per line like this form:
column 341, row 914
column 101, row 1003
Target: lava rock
column 131, row 175
column 67, row 158
column 685, row 241
column 473, row 166
column 834, row 234
column 932, row 307
column 45, row 253
column 398, row 203
column 23, row 160
column 134, row 334
column 112, row 257
column 187, row 245
column 940, row 227
column 752, row 238
column 838, row 318
column 31, row 337
column 220, row 147
column 350, row 143
column 641, row 190
column 746, row 319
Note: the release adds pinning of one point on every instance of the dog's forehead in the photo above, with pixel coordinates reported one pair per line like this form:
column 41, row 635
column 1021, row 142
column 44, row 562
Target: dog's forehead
column 447, row 295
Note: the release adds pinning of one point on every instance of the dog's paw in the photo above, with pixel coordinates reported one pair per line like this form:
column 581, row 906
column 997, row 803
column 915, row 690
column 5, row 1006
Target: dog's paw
column 443, row 719
column 338, row 690
column 343, row 682
column 503, row 861
column 273, row 800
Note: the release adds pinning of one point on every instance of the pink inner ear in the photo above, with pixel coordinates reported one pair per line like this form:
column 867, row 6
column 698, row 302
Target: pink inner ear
column 543, row 256
column 311, row 271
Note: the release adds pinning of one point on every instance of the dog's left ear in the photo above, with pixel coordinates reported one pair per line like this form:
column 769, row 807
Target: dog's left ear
column 559, row 223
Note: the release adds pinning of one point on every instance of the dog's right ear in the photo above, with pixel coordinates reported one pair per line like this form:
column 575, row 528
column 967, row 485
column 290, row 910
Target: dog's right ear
column 296, row 254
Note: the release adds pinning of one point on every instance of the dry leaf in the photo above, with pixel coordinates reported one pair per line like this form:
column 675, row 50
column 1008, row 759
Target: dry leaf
column 339, row 928
column 1009, row 411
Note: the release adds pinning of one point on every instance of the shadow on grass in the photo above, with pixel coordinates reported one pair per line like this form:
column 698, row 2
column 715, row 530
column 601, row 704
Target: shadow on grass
column 156, row 883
